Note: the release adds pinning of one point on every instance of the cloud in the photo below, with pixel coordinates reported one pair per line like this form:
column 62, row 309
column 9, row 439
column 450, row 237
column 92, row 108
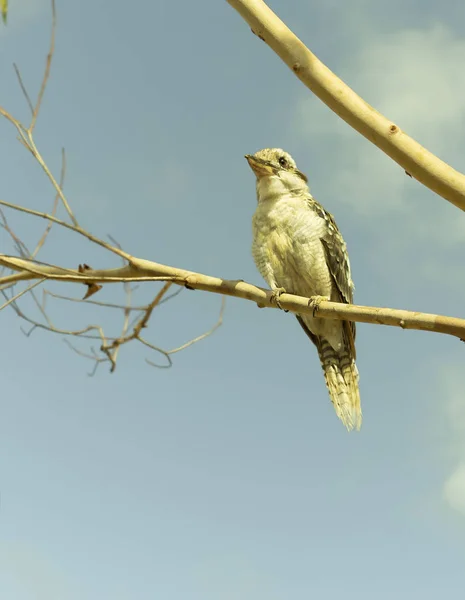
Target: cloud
column 414, row 77
column 451, row 386
column 454, row 489
column 30, row 570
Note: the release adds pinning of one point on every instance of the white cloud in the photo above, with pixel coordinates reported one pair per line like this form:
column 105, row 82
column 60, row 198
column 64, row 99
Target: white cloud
column 451, row 384
column 454, row 489
column 31, row 572
column 415, row 78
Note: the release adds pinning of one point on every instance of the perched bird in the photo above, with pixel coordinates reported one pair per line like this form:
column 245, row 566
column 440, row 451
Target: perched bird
column 298, row 248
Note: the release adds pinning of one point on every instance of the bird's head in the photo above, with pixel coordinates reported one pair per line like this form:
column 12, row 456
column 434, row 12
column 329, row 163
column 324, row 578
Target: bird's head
column 276, row 172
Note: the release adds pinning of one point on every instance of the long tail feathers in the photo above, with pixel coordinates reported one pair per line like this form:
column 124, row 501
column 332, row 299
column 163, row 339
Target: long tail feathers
column 341, row 377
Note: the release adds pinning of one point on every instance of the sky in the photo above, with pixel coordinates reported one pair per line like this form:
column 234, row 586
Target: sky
column 229, row 475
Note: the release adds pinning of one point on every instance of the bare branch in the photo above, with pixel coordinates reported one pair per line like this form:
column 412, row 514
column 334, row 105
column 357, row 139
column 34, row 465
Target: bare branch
column 29, row 269
column 144, row 270
column 111, row 350
column 35, row 152
column 111, row 304
column 42, row 240
column 26, row 268
column 167, row 353
column 418, row 162
column 199, row 337
column 75, row 228
column 98, row 360
column 25, row 291
column 48, row 65
column 23, row 88
column 19, row 244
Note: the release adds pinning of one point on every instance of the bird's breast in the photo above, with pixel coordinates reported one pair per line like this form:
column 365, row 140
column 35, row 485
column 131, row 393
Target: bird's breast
column 287, row 242
column 288, row 252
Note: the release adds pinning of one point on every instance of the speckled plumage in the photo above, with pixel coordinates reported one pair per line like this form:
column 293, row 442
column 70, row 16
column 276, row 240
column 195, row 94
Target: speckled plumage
column 297, row 246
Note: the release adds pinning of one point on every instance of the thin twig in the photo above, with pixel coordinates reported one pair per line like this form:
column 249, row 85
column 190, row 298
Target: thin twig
column 139, row 308
column 48, row 64
column 97, row 302
column 25, row 291
column 42, row 163
column 194, row 340
column 75, row 228
column 28, row 268
column 165, row 354
column 98, row 360
column 19, row 244
column 42, row 240
column 23, row 88
column 203, row 335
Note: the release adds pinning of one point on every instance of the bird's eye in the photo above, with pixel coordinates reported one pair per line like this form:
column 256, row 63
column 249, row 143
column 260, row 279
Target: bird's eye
column 282, row 161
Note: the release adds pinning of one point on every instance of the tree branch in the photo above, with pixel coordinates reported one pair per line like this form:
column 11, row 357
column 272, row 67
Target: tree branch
column 409, row 154
column 27, row 267
column 30, row 272
column 144, row 270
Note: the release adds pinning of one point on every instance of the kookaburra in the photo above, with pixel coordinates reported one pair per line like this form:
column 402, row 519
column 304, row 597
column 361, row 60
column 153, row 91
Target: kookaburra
column 298, row 248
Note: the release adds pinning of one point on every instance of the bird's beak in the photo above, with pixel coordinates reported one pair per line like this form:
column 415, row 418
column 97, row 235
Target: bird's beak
column 260, row 167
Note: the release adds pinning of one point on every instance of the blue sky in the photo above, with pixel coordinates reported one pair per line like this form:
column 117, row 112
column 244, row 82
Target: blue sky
column 229, row 476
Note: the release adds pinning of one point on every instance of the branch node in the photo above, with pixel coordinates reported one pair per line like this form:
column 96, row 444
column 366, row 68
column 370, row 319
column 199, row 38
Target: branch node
column 259, row 35
column 187, row 282
column 92, row 288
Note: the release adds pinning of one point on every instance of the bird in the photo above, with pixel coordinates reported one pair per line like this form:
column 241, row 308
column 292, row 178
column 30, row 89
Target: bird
column 298, row 249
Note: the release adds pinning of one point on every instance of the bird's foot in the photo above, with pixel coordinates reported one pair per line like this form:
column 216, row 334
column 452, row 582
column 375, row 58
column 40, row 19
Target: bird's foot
column 275, row 294
column 315, row 301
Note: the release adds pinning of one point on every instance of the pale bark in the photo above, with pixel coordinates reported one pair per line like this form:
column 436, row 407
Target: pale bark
column 144, row 270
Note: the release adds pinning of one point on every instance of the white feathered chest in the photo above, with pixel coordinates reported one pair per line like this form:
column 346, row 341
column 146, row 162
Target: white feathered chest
column 287, row 246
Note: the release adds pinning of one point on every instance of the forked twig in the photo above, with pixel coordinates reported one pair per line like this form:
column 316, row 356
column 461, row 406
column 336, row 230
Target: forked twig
column 36, row 272
column 42, row 240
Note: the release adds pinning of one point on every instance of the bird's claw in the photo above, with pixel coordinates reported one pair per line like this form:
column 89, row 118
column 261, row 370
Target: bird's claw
column 315, row 301
column 275, row 294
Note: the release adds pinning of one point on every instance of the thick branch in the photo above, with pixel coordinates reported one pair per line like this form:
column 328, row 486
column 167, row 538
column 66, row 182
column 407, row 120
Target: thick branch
column 409, row 154
column 145, row 270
